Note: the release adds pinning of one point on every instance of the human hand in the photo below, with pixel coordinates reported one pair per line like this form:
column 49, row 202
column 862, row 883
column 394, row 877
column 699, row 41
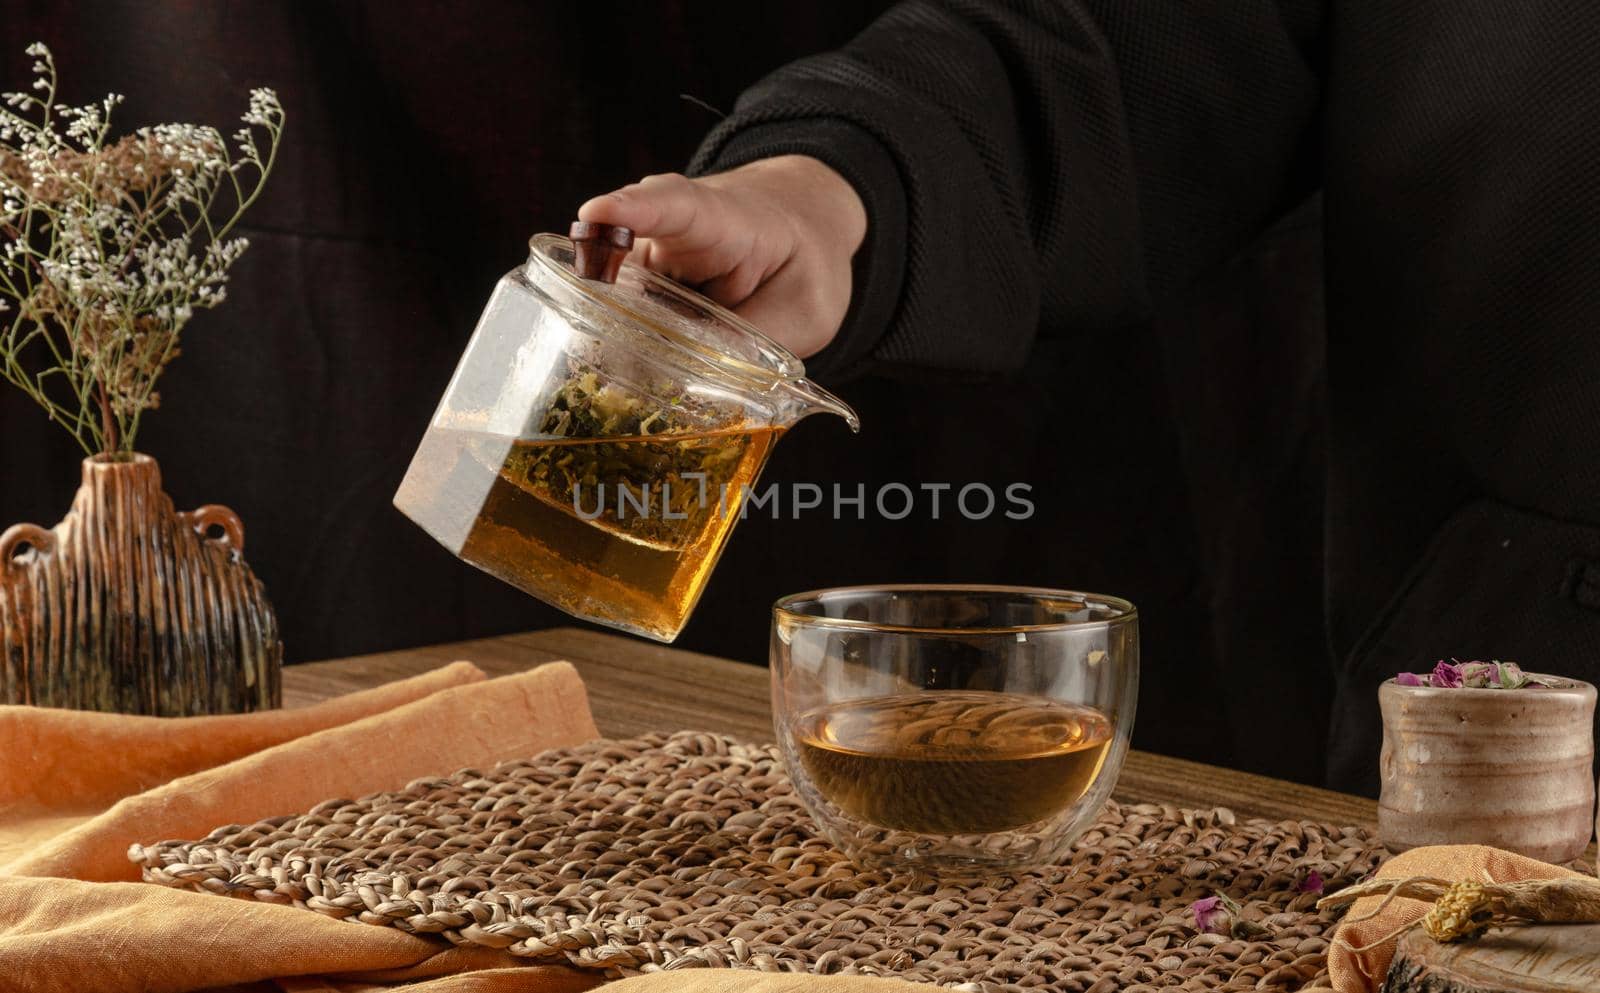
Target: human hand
column 771, row 240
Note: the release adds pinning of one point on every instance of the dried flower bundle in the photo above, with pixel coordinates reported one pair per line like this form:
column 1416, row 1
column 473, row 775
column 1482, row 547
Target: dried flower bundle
column 1454, row 674
column 111, row 245
column 1462, row 910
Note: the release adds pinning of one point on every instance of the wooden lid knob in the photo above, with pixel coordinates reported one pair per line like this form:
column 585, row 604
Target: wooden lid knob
column 598, row 249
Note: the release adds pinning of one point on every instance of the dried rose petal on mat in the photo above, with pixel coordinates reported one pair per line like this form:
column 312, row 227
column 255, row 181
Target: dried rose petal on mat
column 1207, row 915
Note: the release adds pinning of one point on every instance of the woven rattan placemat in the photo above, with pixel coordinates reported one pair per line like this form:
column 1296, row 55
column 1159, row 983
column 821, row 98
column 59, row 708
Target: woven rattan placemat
column 692, row 850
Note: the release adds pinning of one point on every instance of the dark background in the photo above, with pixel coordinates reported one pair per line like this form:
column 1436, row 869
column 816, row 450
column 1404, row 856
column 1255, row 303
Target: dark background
column 425, row 142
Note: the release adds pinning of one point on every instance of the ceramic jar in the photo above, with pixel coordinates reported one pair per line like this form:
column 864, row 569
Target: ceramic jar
column 1509, row 768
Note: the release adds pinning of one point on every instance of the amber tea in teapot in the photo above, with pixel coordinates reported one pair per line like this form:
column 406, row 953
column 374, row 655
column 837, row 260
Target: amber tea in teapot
column 630, row 563
column 597, row 441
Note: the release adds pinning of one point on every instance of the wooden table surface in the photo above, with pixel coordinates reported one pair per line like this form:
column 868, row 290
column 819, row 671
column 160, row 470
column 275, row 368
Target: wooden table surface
column 635, row 686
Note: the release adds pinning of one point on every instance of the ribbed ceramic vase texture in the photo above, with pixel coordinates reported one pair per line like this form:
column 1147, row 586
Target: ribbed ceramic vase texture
column 129, row 606
column 1509, row 768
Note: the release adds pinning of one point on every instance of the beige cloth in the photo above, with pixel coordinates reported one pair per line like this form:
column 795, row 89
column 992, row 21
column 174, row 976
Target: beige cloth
column 1362, row 950
column 77, row 788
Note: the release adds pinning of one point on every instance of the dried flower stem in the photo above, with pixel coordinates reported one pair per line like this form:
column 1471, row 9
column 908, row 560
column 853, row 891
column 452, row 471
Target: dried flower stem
column 110, row 246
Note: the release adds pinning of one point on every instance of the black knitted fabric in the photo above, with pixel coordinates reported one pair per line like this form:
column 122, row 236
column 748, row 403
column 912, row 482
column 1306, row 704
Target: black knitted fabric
column 1046, row 156
column 1049, row 170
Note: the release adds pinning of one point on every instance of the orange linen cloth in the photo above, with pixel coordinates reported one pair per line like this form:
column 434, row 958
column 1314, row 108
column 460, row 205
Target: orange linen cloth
column 1364, row 971
column 73, row 919
column 62, row 767
column 77, row 788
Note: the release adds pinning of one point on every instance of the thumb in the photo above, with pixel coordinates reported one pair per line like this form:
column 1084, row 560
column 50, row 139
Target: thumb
column 681, row 227
column 668, row 206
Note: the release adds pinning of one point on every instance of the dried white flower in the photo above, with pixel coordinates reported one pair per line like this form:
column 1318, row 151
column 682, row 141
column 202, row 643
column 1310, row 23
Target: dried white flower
column 111, row 245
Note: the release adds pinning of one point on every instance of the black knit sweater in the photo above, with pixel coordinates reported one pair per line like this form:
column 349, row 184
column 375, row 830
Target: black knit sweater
column 1039, row 170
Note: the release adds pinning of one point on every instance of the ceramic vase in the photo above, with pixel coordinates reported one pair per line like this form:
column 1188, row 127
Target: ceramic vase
column 129, row 606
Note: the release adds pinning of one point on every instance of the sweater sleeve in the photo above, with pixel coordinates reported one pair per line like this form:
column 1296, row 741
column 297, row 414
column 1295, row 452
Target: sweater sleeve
column 1035, row 167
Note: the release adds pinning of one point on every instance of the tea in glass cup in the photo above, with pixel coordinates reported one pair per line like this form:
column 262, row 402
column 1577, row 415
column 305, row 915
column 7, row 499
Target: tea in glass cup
column 953, row 728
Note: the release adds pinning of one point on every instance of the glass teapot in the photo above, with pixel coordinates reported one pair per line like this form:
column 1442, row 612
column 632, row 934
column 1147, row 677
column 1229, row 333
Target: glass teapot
column 601, row 433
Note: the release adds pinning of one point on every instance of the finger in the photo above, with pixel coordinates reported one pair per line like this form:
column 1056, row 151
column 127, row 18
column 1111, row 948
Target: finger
column 735, row 286
column 783, row 326
column 694, row 267
column 666, row 206
column 659, row 257
column 790, row 311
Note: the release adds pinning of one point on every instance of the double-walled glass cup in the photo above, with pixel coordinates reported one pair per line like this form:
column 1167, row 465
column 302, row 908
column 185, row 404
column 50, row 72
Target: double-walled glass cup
column 953, row 729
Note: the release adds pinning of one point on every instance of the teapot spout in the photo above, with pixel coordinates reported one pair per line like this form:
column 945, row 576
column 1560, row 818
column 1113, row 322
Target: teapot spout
column 807, row 398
